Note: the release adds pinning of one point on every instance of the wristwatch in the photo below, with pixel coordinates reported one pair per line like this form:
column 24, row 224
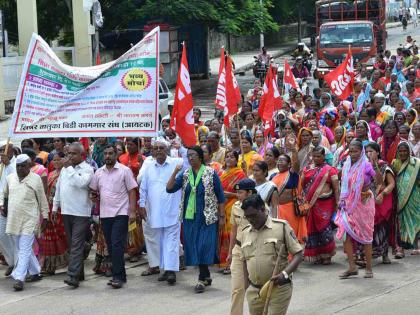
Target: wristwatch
column 286, row 276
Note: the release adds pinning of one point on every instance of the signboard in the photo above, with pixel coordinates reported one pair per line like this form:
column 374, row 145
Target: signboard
column 119, row 98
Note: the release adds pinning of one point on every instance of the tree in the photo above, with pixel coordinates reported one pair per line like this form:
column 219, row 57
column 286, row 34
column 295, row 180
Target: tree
column 236, row 17
column 53, row 17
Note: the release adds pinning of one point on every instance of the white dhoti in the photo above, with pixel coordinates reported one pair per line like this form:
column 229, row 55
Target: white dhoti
column 152, row 240
column 169, row 247
column 26, row 262
column 7, row 244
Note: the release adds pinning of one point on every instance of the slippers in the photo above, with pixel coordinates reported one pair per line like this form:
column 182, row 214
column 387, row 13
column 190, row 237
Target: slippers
column 368, row 274
column 415, row 252
column 346, row 274
column 150, row 271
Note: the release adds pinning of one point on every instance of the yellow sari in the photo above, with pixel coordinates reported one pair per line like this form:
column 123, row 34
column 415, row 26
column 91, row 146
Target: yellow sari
column 250, row 158
column 229, row 178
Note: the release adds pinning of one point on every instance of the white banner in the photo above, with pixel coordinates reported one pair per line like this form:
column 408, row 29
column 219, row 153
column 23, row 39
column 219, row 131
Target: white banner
column 119, row 98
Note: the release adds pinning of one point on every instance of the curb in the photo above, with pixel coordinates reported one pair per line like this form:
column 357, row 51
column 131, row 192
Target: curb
column 396, row 24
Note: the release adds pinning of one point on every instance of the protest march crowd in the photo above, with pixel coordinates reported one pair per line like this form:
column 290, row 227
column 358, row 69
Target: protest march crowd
column 253, row 191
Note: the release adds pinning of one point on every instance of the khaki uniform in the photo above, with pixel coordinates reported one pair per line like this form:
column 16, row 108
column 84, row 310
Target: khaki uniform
column 237, row 265
column 260, row 249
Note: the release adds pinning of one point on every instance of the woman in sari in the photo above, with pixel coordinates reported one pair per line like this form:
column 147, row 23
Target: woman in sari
column 208, row 154
column 384, row 205
column 389, row 141
column 248, row 155
column 304, row 143
column 271, row 156
column 407, row 169
column 414, row 139
column 320, row 186
column 339, row 138
column 230, row 176
column 53, row 240
column 356, row 215
column 287, row 181
column 327, row 136
column 262, row 144
column 363, row 132
column 342, row 152
column 266, row 189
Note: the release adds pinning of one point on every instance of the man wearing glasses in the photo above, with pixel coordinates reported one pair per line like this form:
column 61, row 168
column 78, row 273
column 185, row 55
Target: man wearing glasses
column 160, row 212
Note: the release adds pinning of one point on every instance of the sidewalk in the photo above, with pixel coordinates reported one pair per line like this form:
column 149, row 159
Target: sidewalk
column 245, row 60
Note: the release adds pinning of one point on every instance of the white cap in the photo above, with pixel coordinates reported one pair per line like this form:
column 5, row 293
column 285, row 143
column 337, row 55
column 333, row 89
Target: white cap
column 160, row 140
column 22, row 158
column 380, row 95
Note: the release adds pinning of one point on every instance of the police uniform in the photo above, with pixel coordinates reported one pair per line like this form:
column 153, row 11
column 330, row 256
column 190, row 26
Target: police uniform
column 237, row 266
column 260, row 249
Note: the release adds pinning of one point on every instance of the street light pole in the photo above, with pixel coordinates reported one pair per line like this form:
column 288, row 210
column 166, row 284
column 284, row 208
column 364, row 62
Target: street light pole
column 261, row 34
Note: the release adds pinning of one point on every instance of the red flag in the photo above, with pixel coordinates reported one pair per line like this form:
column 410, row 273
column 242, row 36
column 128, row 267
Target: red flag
column 228, row 94
column 271, row 99
column 182, row 120
column 341, row 79
column 289, row 78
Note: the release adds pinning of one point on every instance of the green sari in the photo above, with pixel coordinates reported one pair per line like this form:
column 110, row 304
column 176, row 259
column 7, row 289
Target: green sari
column 408, row 186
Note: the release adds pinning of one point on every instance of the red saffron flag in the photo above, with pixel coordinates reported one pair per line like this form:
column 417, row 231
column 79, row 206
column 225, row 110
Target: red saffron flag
column 228, row 95
column 271, row 100
column 341, row 79
column 289, row 78
column 182, row 120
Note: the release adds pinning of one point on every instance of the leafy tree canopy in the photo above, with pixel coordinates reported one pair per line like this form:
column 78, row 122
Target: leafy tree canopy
column 237, row 17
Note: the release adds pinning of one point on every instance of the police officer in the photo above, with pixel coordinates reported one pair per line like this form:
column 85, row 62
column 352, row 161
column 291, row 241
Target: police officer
column 261, row 243
column 244, row 188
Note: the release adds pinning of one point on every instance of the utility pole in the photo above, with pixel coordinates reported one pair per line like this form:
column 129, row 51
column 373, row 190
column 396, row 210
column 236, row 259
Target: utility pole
column 261, row 34
column 299, row 21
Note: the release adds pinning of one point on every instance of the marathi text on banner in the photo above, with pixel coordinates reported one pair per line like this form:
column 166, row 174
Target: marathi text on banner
column 119, row 98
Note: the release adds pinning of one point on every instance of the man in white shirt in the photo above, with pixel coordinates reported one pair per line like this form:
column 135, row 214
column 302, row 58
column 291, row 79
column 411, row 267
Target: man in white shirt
column 72, row 196
column 160, row 211
column 26, row 203
column 7, row 245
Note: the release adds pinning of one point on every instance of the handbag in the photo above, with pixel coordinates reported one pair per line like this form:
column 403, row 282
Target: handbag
column 301, row 205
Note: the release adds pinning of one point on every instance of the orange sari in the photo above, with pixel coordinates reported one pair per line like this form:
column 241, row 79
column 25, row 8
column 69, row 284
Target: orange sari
column 287, row 211
column 229, row 178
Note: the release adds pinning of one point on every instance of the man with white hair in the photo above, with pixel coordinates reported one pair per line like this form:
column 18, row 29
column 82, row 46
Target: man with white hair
column 7, row 245
column 26, row 202
column 160, row 211
column 72, row 196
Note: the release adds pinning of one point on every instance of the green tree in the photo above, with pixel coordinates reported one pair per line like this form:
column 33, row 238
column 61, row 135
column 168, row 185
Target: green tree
column 236, row 17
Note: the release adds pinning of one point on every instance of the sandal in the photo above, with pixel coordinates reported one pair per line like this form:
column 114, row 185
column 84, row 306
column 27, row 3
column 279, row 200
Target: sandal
column 386, row 260
column 226, row 271
column 150, row 271
column 200, row 287
column 399, row 254
column 368, row 274
column 346, row 274
column 326, row 261
column 415, row 252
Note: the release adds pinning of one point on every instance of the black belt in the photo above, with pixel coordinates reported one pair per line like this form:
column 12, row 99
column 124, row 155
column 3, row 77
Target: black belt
column 255, row 285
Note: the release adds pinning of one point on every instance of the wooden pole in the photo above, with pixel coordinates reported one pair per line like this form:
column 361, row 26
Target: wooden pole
column 271, row 285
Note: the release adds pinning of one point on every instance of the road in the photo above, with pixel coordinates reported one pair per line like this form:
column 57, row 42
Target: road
column 317, row 289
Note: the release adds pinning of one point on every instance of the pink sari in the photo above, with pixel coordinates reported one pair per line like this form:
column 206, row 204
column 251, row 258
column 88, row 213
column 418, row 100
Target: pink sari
column 356, row 215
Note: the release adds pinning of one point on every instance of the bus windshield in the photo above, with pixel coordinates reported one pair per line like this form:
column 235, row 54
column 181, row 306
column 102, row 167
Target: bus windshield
column 342, row 35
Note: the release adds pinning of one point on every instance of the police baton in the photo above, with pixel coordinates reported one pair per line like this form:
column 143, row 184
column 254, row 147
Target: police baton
column 270, row 282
